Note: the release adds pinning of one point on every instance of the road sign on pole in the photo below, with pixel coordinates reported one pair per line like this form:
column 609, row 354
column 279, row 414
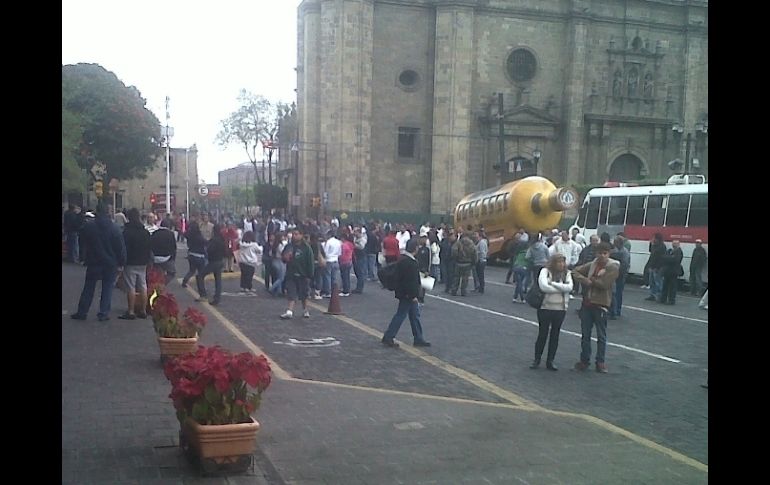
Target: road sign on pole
column 203, row 190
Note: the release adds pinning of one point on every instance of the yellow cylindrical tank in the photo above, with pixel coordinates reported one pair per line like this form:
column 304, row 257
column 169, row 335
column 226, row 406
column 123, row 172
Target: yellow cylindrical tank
column 532, row 203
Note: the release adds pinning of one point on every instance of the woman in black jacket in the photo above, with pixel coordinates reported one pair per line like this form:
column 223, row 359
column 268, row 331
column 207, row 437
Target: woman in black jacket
column 216, row 256
column 196, row 256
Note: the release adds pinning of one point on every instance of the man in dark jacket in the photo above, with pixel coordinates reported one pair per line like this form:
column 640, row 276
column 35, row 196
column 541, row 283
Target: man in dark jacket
column 407, row 292
column 655, row 265
column 698, row 262
column 672, row 270
column 447, row 261
column 73, row 221
column 300, row 267
column 137, row 240
column 106, row 253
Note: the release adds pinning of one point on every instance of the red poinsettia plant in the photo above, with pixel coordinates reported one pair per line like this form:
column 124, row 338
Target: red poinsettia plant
column 156, row 281
column 165, row 317
column 214, row 386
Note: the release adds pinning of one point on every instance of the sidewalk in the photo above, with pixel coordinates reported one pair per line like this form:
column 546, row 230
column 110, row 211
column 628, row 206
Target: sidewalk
column 118, row 425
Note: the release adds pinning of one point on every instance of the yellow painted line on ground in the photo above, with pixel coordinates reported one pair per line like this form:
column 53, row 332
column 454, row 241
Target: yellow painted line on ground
column 585, row 417
column 516, row 400
column 405, row 393
column 278, row 372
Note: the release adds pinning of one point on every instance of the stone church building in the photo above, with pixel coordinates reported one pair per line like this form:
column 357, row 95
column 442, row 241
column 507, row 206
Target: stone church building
column 399, row 100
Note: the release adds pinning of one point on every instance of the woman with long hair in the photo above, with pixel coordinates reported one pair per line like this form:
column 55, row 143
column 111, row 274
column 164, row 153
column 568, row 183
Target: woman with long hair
column 279, row 267
column 216, row 254
column 556, row 284
column 249, row 257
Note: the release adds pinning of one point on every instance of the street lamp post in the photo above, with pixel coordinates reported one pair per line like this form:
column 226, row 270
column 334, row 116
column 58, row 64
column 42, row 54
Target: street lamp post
column 187, row 178
column 536, row 158
column 701, row 129
column 168, row 165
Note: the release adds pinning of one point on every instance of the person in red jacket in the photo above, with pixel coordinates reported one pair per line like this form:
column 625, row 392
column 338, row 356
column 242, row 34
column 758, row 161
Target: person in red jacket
column 230, row 235
column 390, row 248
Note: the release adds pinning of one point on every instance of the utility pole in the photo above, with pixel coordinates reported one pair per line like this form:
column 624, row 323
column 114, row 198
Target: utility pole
column 687, row 154
column 501, row 128
column 168, row 167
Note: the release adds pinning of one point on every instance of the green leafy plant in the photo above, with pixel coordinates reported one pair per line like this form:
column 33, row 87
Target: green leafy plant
column 166, row 321
column 214, row 386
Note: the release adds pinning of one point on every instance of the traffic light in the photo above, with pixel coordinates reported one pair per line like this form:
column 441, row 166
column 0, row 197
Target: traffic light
column 99, row 188
column 153, row 198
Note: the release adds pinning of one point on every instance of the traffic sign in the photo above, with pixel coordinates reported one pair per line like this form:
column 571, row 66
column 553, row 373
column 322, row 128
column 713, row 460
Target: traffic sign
column 203, row 190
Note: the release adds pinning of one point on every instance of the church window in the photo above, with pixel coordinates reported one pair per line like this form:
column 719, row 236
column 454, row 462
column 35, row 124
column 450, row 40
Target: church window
column 407, row 142
column 521, row 65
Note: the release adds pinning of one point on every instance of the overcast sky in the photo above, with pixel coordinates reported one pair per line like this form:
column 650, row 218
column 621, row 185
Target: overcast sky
column 200, row 53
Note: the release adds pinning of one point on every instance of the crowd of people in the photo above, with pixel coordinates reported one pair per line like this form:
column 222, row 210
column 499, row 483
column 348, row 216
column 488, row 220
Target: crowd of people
column 314, row 258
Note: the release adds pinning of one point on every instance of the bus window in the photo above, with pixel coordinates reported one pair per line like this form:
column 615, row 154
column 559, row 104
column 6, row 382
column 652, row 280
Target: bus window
column 699, row 211
column 581, row 221
column 656, row 211
column 677, row 210
column 505, row 202
column 604, row 208
column 635, row 213
column 593, row 212
column 484, row 204
column 617, row 210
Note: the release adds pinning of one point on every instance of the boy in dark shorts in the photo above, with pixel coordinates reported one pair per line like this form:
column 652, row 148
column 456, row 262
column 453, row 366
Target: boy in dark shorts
column 300, row 266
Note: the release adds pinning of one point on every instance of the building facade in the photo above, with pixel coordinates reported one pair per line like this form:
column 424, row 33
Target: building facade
column 400, row 100
column 183, row 168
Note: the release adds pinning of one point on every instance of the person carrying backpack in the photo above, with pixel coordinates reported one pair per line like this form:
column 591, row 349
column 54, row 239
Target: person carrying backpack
column 408, row 289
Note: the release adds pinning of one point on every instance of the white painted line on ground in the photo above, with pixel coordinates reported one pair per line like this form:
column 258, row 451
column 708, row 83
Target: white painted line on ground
column 700, row 320
column 513, row 317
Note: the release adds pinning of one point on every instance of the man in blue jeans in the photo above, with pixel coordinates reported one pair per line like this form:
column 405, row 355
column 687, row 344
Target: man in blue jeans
column 105, row 255
column 597, row 277
column 408, row 290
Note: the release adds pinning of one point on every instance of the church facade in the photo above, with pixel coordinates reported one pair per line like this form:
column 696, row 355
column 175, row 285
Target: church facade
column 400, row 101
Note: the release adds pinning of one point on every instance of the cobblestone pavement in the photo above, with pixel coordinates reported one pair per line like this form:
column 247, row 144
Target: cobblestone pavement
column 441, row 429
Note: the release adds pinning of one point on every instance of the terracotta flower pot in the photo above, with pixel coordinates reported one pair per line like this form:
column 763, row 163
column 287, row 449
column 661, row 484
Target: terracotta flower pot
column 171, row 347
column 220, row 447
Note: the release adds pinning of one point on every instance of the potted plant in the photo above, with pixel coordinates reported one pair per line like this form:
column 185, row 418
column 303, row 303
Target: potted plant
column 156, row 284
column 176, row 336
column 214, row 394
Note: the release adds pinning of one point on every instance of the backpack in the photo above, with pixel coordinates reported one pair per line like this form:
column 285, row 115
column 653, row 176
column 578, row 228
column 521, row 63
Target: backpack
column 535, row 296
column 388, row 276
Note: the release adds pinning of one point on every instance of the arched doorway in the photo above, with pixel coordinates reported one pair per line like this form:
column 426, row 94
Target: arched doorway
column 626, row 167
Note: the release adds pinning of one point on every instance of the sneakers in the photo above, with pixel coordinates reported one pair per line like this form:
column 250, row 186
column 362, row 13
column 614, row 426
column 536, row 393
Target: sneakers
column 127, row 316
column 288, row 315
column 581, row 366
column 601, row 367
column 344, row 294
column 390, row 343
column 645, row 287
column 318, row 297
column 306, row 314
column 535, row 364
column 551, row 367
column 422, row 343
column 77, row 316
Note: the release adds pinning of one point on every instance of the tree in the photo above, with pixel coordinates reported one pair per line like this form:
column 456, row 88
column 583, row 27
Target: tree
column 73, row 178
column 115, row 126
column 255, row 121
column 248, row 126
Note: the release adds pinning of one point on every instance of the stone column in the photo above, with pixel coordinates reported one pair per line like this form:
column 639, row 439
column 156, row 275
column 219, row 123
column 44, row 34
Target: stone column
column 453, row 78
column 308, row 94
column 346, row 99
column 574, row 98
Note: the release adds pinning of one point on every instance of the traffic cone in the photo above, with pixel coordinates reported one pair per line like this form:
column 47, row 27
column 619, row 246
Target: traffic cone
column 334, row 302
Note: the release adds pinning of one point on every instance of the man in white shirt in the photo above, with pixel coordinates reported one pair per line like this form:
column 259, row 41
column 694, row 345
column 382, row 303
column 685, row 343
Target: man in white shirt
column 333, row 250
column 566, row 247
column 403, row 237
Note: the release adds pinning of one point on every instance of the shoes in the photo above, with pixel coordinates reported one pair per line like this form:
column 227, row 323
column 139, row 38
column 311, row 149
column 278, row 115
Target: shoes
column 184, row 285
column 650, row 298
column 481, row 292
column 572, row 297
column 306, row 314
column 601, row 367
column 344, row 294
column 535, row 364
column 550, row 366
column 581, row 366
column 288, row 315
column 422, row 343
column 645, row 287
column 390, row 343
column 318, row 297
column 213, row 302
column 127, row 316
column 141, row 315
column 704, row 307
column 462, row 293
column 326, row 296
column 357, row 292
column 103, row 318
column 77, row 316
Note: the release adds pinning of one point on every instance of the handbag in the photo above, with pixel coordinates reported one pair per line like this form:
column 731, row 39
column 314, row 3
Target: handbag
column 535, row 296
column 321, row 261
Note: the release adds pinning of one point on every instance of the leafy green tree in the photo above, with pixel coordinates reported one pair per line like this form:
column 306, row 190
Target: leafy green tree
column 73, row 177
column 117, row 128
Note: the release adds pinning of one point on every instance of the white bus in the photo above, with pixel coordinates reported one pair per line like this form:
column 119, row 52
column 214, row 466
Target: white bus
column 676, row 211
